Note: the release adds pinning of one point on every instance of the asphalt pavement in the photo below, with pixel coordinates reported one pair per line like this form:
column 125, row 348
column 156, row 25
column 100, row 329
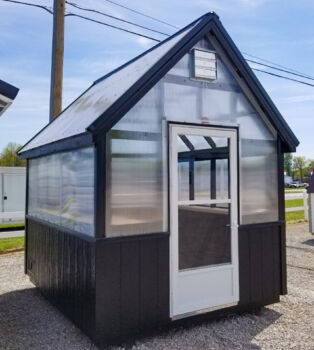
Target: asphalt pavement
column 11, row 234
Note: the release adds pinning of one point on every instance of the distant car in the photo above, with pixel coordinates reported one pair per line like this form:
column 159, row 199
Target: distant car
column 298, row 184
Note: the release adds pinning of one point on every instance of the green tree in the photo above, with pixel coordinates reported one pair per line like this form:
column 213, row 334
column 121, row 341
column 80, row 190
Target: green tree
column 9, row 157
column 311, row 164
column 288, row 163
column 299, row 163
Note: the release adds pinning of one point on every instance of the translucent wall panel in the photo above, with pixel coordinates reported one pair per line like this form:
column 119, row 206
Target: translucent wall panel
column 178, row 98
column 259, row 185
column 61, row 189
column 134, row 184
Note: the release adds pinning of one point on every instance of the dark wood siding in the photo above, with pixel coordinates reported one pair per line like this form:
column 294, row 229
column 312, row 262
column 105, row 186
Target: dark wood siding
column 115, row 288
column 62, row 266
column 259, row 263
column 132, row 289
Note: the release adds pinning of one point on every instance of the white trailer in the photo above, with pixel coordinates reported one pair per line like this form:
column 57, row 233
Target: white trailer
column 12, row 194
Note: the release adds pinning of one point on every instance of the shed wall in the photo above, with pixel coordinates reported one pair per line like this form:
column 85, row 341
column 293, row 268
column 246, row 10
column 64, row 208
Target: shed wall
column 136, row 148
column 62, row 266
column 131, row 293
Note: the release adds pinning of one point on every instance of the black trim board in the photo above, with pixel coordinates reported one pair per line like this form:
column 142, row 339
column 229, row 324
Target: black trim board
column 8, row 90
column 100, row 79
column 74, row 142
column 246, row 73
column 281, row 213
column 209, row 23
column 124, row 103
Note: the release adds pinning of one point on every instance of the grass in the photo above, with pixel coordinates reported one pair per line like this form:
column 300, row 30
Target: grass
column 20, row 226
column 7, row 244
column 295, row 216
column 294, row 203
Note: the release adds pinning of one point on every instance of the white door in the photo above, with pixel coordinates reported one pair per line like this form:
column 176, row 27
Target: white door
column 14, row 192
column 204, row 219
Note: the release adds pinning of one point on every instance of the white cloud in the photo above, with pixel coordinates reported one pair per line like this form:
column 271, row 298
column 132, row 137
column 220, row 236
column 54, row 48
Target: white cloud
column 144, row 42
column 297, row 99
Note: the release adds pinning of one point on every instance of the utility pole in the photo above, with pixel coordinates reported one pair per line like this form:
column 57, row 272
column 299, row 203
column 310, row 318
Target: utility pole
column 57, row 59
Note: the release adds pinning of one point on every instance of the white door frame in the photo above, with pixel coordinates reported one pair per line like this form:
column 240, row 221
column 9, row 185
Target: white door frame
column 174, row 130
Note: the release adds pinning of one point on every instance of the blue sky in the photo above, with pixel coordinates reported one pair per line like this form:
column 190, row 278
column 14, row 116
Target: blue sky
column 277, row 30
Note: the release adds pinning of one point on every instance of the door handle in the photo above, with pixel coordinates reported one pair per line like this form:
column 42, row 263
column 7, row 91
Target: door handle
column 5, row 197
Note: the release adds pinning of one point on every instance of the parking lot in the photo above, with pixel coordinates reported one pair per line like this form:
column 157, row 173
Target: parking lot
column 27, row 321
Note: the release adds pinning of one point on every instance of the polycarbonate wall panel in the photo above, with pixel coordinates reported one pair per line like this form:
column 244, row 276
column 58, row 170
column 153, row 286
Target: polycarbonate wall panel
column 178, row 98
column 61, row 189
column 259, row 182
column 134, row 185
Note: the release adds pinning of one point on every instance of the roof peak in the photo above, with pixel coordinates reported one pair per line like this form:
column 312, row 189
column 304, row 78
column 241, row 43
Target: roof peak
column 207, row 15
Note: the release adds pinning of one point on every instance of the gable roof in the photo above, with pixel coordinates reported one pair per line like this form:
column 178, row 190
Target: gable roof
column 110, row 97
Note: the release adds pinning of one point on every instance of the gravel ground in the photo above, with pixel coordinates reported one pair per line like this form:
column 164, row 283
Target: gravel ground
column 27, row 321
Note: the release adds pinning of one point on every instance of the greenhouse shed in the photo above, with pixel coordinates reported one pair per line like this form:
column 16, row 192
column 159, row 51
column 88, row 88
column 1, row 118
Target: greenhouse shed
column 158, row 193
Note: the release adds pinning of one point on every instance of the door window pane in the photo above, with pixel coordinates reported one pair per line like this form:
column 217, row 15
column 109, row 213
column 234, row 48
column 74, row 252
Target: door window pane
column 204, row 235
column 203, row 167
column 202, row 180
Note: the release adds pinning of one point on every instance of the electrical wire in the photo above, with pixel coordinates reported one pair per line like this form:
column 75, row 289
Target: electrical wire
column 70, row 14
column 141, row 13
column 284, row 68
column 283, row 77
column 277, row 64
column 46, row 8
column 279, row 69
column 289, row 71
column 114, row 17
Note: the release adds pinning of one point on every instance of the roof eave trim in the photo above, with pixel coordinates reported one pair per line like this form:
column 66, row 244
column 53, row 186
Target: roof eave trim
column 73, row 142
column 119, row 108
column 255, row 86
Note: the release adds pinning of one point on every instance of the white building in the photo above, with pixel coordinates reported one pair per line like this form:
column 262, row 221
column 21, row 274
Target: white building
column 12, row 194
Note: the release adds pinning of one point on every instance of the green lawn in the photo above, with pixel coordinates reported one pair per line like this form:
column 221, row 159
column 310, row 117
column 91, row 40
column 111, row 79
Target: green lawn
column 294, row 203
column 7, row 244
column 295, row 216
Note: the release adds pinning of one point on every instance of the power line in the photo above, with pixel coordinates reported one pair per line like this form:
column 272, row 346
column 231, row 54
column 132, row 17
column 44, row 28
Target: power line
column 111, row 26
column 46, row 8
column 283, row 77
column 276, row 64
column 142, row 14
column 284, row 69
column 157, row 40
column 279, row 69
column 289, row 71
column 114, row 17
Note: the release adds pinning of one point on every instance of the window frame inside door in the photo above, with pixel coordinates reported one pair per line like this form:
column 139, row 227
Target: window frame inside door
column 220, row 131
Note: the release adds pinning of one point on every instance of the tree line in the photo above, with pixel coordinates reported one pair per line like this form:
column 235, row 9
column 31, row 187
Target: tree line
column 298, row 167
column 9, row 156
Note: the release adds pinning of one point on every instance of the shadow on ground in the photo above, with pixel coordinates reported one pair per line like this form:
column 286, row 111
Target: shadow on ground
column 28, row 321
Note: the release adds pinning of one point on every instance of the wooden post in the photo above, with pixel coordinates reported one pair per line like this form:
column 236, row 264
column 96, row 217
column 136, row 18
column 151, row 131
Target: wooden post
column 57, row 59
